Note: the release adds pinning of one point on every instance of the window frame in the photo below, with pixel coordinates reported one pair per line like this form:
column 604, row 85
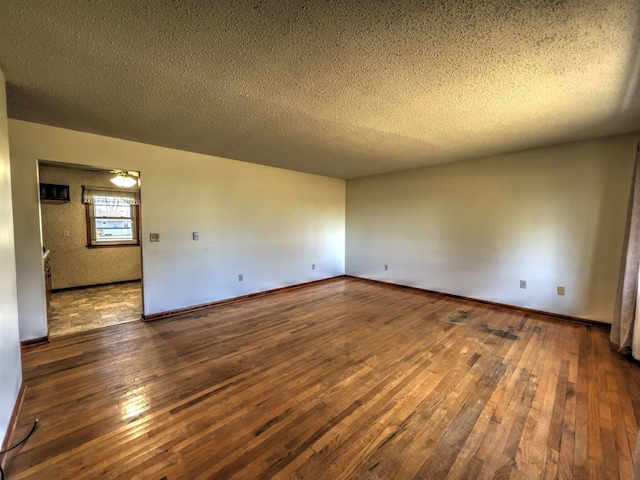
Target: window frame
column 90, row 226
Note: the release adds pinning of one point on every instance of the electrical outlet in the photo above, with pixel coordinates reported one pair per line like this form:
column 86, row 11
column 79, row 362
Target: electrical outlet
column 196, row 235
column 65, row 233
column 241, row 277
column 154, row 237
column 313, row 266
column 560, row 290
column 386, row 267
column 523, row 284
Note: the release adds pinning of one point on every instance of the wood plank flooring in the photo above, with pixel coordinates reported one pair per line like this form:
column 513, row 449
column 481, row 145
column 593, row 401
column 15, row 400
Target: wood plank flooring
column 344, row 379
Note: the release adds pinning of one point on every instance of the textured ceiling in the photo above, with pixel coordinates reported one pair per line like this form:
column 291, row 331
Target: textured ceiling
column 338, row 88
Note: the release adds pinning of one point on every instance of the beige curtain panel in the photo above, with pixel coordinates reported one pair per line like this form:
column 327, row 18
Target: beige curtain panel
column 625, row 307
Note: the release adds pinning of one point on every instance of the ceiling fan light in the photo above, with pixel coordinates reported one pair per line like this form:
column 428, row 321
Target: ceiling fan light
column 124, row 180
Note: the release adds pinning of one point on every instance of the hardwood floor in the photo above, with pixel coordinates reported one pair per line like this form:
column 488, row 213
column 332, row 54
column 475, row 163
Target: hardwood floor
column 342, row 379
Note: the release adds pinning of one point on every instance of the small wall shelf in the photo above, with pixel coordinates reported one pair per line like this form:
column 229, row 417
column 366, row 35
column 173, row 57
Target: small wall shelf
column 53, row 193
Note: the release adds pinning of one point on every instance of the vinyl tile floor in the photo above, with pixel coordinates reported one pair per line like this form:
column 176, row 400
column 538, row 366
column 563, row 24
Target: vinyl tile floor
column 72, row 311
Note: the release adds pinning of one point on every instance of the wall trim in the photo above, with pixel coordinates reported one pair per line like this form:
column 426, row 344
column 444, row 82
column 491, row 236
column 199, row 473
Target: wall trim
column 204, row 306
column 13, row 421
column 84, row 287
column 35, row 341
column 583, row 321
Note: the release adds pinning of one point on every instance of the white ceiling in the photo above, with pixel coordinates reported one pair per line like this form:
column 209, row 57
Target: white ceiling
column 338, row 88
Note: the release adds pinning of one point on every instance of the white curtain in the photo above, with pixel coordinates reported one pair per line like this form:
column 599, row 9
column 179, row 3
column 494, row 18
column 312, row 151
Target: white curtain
column 624, row 314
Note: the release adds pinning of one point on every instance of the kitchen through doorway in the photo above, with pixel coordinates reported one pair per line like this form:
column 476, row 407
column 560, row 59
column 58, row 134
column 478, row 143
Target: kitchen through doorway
column 91, row 245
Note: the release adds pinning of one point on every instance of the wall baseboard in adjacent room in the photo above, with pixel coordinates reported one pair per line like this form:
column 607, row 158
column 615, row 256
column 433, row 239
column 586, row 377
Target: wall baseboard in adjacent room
column 203, row 306
column 583, row 321
column 35, row 341
column 84, row 287
column 13, row 421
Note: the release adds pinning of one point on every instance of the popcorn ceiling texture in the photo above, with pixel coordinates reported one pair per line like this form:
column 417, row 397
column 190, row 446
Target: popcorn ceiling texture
column 338, row 88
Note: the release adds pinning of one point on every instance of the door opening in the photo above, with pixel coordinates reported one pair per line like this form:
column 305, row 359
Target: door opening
column 91, row 233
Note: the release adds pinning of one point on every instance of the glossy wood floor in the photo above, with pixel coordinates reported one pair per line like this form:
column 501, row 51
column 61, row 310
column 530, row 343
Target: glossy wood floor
column 342, row 379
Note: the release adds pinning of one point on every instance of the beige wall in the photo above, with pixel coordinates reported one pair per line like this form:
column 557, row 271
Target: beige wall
column 266, row 223
column 10, row 364
column 552, row 216
column 72, row 263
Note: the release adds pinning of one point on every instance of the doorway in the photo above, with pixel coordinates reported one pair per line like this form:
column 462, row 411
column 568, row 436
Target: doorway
column 91, row 245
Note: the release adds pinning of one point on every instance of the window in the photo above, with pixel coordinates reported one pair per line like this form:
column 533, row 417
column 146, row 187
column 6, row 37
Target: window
column 112, row 217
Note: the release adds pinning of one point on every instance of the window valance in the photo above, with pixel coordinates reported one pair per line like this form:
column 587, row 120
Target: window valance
column 109, row 196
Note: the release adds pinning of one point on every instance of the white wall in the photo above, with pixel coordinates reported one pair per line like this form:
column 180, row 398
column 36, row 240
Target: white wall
column 29, row 265
column 266, row 223
column 10, row 363
column 552, row 216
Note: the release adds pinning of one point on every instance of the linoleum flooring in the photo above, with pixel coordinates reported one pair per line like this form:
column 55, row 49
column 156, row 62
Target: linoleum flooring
column 72, row 311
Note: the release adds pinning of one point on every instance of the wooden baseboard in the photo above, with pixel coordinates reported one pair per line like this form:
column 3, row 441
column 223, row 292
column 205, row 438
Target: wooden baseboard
column 13, row 421
column 195, row 308
column 203, row 306
column 583, row 321
column 84, row 287
column 35, row 341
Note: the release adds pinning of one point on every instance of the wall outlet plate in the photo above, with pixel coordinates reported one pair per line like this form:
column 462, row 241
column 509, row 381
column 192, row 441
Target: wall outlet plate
column 523, row 284
column 241, row 277
column 386, row 267
column 560, row 290
column 313, row 266
column 196, row 235
column 154, row 237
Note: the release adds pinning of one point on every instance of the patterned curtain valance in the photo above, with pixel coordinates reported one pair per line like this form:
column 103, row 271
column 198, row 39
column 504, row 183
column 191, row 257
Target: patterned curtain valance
column 109, row 196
